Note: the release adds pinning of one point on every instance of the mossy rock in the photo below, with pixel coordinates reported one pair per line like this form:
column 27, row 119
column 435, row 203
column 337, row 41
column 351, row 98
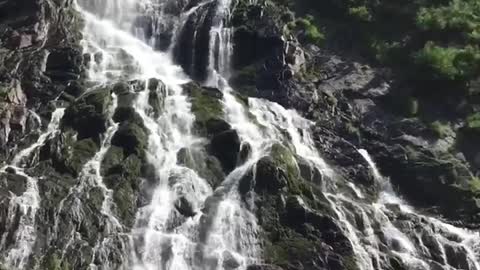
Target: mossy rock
column 88, row 115
column 125, row 198
column 132, row 138
column 112, row 159
column 206, row 104
column 52, row 262
column 123, row 114
column 208, row 167
column 289, row 250
column 95, row 197
column 285, row 160
column 245, row 80
column 73, row 155
column 156, row 96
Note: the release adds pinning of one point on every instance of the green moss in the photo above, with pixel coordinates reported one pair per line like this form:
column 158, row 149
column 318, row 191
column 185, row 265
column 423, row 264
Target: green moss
column 475, row 185
column 311, row 32
column 350, row 263
column 205, row 106
column 132, row 138
column 285, row 160
column 113, row 158
column 473, row 121
column 289, row 249
column 83, row 151
column 360, row 13
column 440, row 129
column 52, row 262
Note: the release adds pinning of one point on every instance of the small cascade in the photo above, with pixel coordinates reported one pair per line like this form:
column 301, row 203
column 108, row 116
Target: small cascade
column 17, row 241
column 409, row 245
column 220, row 45
column 90, row 179
column 157, row 243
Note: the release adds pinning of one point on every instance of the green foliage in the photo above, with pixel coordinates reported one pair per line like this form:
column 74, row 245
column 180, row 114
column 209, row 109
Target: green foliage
column 475, row 185
column 309, row 29
column 441, row 130
column 449, row 63
column 288, row 249
column 52, row 262
column 473, row 121
column 360, row 13
column 459, row 15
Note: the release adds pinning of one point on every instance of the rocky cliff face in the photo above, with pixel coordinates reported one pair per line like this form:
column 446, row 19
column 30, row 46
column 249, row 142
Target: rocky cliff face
column 124, row 146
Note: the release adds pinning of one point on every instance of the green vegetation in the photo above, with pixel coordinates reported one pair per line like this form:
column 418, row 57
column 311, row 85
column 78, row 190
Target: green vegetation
column 308, row 30
column 473, row 121
column 430, row 41
column 475, row 185
column 441, row 130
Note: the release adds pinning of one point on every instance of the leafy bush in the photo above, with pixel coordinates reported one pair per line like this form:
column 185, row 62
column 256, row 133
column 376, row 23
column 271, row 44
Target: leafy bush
column 311, row 32
column 473, row 121
column 360, row 13
column 449, row 63
column 459, row 15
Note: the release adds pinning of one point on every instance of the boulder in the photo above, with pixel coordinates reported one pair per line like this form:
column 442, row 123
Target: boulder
column 89, row 114
column 131, row 137
column 184, row 207
column 226, row 147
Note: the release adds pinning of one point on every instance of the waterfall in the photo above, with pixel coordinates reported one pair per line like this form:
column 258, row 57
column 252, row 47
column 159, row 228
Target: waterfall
column 403, row 242
column 17, row 241
column 137, row 41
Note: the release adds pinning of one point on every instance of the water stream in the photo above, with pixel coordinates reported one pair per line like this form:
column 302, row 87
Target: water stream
column 127, row 42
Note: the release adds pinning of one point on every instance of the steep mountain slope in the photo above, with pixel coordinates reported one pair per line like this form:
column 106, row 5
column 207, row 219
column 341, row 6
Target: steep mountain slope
column 221, row 135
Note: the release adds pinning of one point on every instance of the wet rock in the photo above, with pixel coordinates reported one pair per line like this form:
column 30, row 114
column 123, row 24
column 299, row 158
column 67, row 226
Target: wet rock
column 121, row 88
column 127, row 114
column 309, row 172
column 208, row 167
column 12, row 182
column 131, row 137
column 215, row 126
column 156, row 96
column 268, row 176
column 206, row 106
column 457, row 257
column 112, row 160
column 195, row 37
column 226, row 146
column 75, row 89
column 229, row 261
column 245, row 152
column 184, row 207
column 88, row 115
column 67, row 154
column 64, row 64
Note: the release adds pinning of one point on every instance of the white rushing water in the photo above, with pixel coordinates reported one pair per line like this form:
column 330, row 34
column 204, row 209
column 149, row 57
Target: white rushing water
column 407, row 244
column 22, row 209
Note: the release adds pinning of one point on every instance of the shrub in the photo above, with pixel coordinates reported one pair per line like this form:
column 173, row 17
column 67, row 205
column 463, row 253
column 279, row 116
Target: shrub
column 360, row 13
column 311, row 33
column 473, row 121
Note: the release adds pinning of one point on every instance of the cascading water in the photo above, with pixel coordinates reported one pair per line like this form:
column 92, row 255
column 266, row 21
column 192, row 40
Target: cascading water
column 20, row 232
column 408, row 244
column 221, row 230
